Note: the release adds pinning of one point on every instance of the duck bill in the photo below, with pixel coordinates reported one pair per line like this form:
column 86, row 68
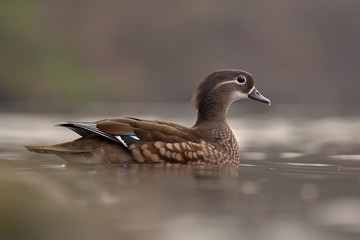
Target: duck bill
column 254, row 94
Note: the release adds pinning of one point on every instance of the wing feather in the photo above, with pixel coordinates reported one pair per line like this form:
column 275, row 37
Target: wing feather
column 147, row 140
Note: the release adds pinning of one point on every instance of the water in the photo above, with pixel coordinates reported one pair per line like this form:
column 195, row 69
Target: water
column 299, row 178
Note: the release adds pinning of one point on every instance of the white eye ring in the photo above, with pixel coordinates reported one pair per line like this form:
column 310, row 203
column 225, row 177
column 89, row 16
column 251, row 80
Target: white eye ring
column 241, row 79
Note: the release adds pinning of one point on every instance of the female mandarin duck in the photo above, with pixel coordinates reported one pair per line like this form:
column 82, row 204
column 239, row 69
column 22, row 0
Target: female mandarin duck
column 209, row 141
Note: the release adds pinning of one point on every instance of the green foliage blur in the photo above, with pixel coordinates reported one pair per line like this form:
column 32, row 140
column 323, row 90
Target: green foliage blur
column 61, row 53
column 34, row 66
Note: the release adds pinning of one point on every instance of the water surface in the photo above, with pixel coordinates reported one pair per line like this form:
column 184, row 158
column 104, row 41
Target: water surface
column 298, row 179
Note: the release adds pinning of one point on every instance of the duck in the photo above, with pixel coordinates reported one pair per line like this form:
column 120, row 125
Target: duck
column 209, row 141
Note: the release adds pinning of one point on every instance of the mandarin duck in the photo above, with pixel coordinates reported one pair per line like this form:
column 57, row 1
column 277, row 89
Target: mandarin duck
column 209, row 141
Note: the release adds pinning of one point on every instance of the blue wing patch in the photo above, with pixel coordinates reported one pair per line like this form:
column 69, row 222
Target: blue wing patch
column 127, row 138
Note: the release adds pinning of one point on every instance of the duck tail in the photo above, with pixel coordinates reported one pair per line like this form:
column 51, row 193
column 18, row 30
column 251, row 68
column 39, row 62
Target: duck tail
column 86, row 150
column 53, row 149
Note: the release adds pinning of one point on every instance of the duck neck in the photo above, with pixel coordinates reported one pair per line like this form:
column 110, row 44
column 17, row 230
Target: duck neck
column 212, row 113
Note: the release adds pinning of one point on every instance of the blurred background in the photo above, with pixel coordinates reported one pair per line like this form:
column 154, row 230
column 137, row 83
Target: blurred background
column 80, row 60
column 64, row 54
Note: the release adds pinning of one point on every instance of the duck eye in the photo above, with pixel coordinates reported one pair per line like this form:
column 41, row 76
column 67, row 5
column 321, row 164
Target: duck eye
column 241, row 79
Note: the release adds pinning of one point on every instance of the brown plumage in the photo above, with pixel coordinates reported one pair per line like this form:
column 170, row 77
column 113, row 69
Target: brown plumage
column 209, row 141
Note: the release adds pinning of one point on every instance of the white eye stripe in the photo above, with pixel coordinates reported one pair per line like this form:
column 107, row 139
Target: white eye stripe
column 232, row 81
column 225, row 82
